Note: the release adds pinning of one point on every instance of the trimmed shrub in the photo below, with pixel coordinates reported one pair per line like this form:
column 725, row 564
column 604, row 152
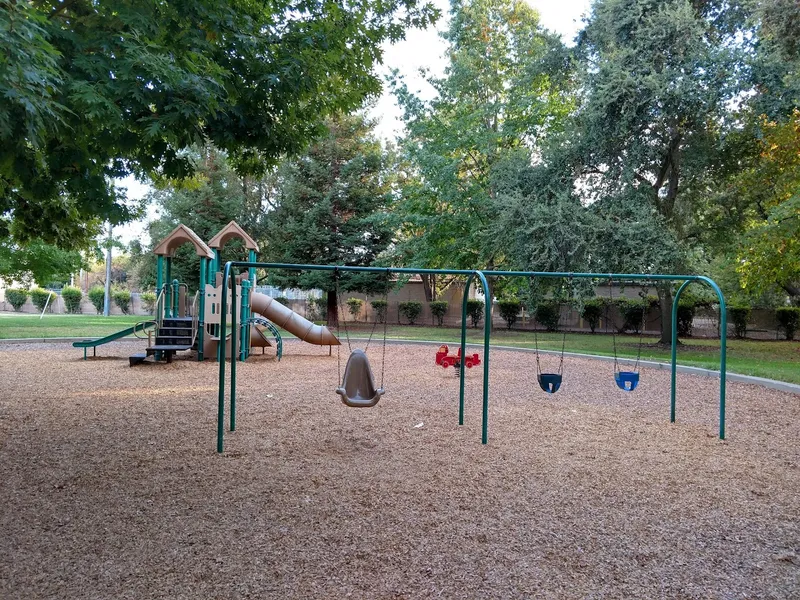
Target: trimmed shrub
column 148, row 301
column 97, row 296
column 72, row 299
column 438, row 310
column 548, row 314
column 282, row 300
column 411, row 310
column 354, row 307
column 740, row 316
column 380, row 306
column 16, row 297
column 592, row 312
column 122, row 298
column 788, row 319
column 686, row 312
column 39, row 297
column 509, row 310
column 317, row 308
column 475, row 311
column 632, row 312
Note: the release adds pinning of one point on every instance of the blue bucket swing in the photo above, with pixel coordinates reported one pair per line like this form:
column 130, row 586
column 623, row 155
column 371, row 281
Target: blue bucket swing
column 627, row 381
column 550, row 382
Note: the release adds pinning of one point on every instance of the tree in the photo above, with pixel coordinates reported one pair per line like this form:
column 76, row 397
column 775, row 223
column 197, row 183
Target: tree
column 212, row 198
column 39, row 262
column 330, row 209
column 659, row 79
column 100, row 89
column 769, row 251
column 506, row 86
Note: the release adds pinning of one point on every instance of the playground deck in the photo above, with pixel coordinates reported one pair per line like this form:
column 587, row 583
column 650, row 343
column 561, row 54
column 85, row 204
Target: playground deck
column 112, row 488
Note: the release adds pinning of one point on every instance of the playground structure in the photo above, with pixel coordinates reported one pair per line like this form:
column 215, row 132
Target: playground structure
column 446, row 360
column 180, row 323
column 546, row 383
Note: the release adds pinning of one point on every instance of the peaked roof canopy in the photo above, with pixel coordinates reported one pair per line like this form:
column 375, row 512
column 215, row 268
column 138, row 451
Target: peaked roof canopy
column 179, row 236
column 232, row 230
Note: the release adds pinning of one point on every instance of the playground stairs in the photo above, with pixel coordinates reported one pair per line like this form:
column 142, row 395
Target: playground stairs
column 174, row 335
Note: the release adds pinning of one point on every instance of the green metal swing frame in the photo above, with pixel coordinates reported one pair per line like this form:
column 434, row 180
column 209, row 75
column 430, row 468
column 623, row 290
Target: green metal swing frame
column 230, row 273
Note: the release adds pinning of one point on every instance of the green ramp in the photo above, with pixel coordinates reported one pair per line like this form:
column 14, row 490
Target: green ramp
column 141, row 326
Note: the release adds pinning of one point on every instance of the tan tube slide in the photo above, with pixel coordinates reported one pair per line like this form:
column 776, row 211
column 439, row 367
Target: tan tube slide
column 285, row 317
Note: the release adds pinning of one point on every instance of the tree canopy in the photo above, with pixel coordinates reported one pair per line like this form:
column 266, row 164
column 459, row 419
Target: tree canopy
column 92, row 90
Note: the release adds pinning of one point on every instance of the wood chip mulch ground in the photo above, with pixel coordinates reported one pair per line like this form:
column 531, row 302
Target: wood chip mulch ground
column 111, row 486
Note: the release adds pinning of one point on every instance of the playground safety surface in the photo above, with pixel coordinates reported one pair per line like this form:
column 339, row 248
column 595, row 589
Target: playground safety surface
column 112, row 487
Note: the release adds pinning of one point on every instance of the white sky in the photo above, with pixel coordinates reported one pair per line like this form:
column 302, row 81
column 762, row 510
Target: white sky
column 420, row 49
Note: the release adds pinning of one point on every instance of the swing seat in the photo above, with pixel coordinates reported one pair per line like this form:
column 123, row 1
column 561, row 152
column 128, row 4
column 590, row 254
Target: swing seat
column 627, row 380
column 549, row 382
column 358, row 386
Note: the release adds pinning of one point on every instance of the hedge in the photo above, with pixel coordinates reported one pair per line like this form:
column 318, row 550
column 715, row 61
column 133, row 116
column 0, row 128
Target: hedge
column 122, row 298
column 380, row 306
column 39, row 297
column 509, row 310
column 592, row 312
column 411, row 310
column 438, row 310
column 16, row 297
column 72, row 299
column 354, row 307
column 788, row 318
column 97, row 296
column 740, row 315
column 548, row 313
column 475, row 311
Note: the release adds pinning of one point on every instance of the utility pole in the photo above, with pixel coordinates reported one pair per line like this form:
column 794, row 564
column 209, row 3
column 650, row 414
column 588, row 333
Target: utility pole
column 107, row 301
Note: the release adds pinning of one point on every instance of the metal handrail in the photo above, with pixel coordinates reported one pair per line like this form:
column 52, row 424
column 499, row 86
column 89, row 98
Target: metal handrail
column 142, row 324
column 195, row 316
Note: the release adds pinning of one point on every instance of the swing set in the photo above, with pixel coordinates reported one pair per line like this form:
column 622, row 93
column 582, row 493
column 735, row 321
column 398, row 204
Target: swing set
column 357, row 388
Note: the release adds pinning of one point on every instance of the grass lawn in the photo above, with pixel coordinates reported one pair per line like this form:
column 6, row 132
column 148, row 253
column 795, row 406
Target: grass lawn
column 772, row 359
column 55, row 326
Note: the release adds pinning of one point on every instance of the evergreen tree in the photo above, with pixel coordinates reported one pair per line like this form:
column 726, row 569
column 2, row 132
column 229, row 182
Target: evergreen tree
column 330, row 209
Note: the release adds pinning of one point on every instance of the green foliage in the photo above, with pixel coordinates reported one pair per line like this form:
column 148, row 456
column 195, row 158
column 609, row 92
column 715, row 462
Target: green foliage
column 316, row 307
column 148, row 300
column 282, row 300
column 438, row 310
column 411, row 310
column 354, row 306
column 475, row 311
column 42, row 298
column 509, row 310
column 788, row 318
column 592, row 312
column 97, row 296
column 633, row 312
column 740, row 317
column 122, row 298
column 506, row 83
column 16, row 297
column 686, row 311
column 329, row 210
column 548, row 314
column 102, row 89
column 380, row 306
column 72, row 299
column 36, row 261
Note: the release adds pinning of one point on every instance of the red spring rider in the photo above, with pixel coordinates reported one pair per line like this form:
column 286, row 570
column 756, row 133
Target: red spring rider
column 454, row 360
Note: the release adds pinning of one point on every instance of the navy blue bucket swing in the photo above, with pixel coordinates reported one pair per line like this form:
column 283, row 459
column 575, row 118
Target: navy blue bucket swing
column 549, row 382
column 626, row 380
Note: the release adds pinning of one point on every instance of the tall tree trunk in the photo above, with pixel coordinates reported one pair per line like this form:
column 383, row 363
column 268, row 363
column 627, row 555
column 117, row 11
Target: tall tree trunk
column 427, row 286
column 665, row 302
column 333, row 309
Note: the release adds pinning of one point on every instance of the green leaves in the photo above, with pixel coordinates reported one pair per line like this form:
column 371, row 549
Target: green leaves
column 93, row 90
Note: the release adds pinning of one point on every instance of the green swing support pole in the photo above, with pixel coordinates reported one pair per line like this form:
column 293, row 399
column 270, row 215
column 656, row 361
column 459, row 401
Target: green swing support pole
column 487, row 328
column 470, row 275
column 723, row 342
